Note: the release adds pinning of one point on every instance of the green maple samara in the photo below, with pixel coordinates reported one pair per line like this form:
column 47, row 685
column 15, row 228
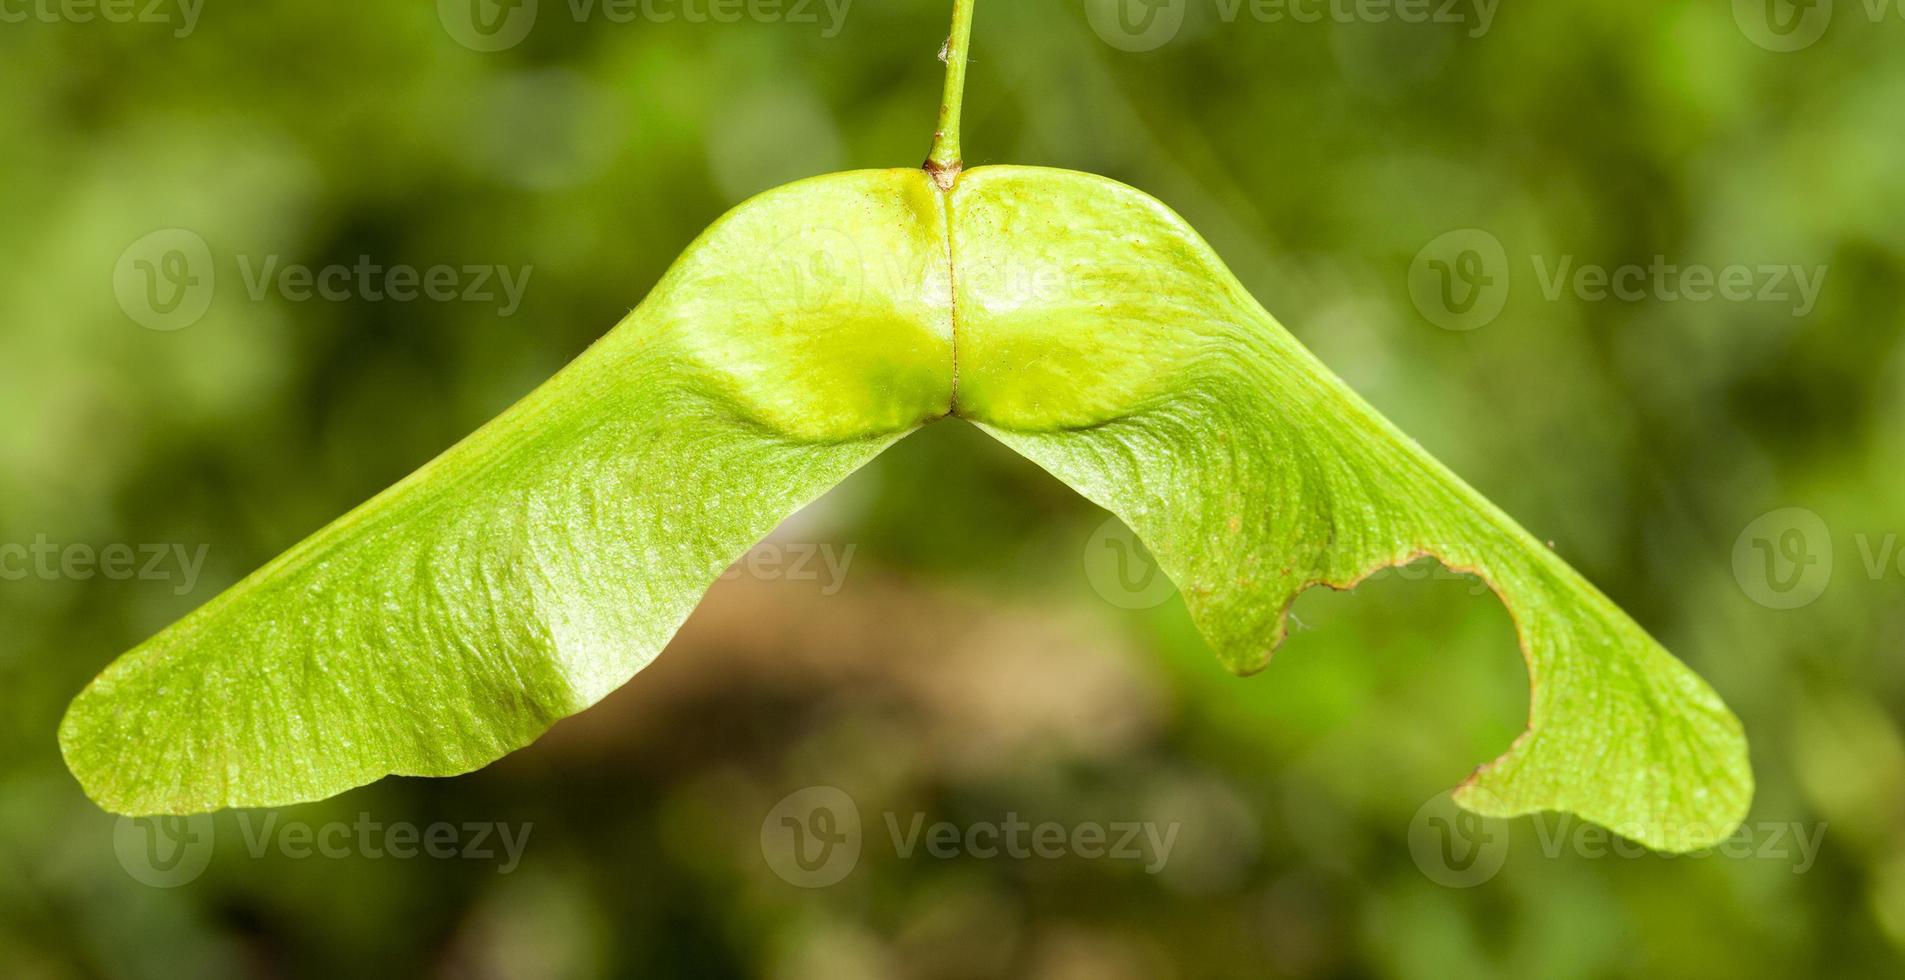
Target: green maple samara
column 537, row 565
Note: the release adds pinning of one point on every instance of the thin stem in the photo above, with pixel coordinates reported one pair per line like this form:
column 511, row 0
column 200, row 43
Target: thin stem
column 944, row 162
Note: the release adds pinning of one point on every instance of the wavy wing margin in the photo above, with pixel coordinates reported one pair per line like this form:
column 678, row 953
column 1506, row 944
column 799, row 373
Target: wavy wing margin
column 1253, row 474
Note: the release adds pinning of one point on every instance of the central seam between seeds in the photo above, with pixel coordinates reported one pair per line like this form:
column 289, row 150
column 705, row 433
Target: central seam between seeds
column 952, row 300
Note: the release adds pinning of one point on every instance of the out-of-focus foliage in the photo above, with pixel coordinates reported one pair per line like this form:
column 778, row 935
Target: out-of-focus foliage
column 972, row 660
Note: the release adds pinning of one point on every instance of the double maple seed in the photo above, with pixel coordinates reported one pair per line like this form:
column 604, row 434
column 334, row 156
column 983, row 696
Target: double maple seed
column 540, row 563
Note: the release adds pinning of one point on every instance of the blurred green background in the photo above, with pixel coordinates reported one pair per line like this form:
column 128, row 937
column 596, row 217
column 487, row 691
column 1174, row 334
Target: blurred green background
column 1728, row 470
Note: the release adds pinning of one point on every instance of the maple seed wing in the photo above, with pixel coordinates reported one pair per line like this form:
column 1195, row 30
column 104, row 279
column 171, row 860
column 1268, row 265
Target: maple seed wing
column 1166, row 394
column 538, row 564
